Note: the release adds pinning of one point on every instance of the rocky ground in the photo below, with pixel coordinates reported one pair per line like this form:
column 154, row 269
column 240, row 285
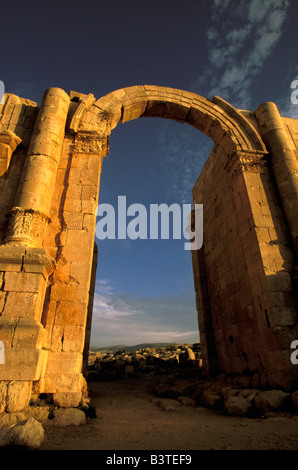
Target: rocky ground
column 157, row 399
column 131, row 416
column 114, row 363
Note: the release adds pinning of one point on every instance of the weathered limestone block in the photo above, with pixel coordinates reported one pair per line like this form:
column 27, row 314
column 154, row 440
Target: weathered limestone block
column 18, row 395
column 22, row 304
column 3, row 393
column 68, row 362
column 63, row 382
column 24, row 358
column 67, row 399
column 80, row 272
column 28, row 433
column 67, row 338
column 69, row 292
column 23, row 282
column 40, row 413
column 71, row 312
column 68, row 417
column 11, row 258
column 238, row 406
column 271, row 400
column 10, row 419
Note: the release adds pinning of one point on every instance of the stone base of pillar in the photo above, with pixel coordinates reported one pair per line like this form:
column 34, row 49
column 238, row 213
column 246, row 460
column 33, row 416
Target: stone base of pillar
column 14, row 395
column 24, row 358
column 66, row 390
column 24, row 273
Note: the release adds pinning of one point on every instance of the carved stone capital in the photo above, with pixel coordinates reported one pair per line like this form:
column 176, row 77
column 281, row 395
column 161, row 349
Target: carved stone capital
column 91, row 143
column 26, row 227
column 248, row 161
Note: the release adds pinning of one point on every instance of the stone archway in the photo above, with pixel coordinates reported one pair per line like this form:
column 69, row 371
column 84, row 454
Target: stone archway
column 245, row 301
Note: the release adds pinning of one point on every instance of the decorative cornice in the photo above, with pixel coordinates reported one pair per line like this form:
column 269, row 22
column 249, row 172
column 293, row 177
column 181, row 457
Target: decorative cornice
column 246, row 161
column 86, row 101
column 26, row 227
column 90, row 143
column 26, row 259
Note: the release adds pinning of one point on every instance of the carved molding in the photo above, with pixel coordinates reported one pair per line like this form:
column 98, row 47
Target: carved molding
column 90, row 143
column 85, row 103
column 240, row 162
column 26, row 258
column 26, row 226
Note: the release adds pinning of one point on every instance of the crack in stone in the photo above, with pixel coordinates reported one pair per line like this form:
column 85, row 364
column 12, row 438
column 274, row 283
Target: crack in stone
column 14, row 332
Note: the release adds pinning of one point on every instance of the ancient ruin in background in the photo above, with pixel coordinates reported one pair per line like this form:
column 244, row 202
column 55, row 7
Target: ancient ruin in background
column 245, row 275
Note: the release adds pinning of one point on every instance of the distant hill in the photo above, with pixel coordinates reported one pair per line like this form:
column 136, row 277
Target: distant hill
column 134, row 348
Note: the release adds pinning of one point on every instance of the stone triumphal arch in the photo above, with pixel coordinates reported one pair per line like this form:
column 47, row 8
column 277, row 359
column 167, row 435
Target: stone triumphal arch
column 244, row 276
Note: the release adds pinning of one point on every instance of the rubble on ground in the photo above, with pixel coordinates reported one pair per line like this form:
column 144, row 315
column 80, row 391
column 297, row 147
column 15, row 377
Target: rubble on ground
column 107, row 365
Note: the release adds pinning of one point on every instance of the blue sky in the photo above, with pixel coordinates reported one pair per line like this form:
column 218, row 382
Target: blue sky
column 242, row 50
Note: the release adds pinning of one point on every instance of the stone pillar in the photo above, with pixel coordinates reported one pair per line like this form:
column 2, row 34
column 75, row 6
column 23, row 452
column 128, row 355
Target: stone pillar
column 24, row 264
column 30, row 214
column 283, row 161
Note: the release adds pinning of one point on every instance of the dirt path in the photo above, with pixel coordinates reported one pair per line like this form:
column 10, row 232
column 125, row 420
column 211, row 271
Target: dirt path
column 130, row 417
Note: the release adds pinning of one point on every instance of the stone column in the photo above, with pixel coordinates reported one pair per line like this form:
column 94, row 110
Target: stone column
column 30, row 214
column 24, row 264
column 283, row 161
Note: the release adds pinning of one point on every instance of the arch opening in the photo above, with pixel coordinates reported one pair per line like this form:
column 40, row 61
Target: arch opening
column 158, row 279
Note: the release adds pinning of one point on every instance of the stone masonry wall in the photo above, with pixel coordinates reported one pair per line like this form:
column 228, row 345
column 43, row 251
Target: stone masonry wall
column 249, row 320
column 70, row 241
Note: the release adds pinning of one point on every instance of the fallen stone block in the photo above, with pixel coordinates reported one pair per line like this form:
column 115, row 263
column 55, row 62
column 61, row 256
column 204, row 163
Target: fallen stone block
column 10, row 419
column 67, row 417
column 40, row 413
column 28, row 433
column 212, row 399
column 238, row 406
column 271, row 400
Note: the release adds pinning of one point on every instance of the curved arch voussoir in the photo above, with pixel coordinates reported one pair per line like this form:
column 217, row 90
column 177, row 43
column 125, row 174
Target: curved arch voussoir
column 219, row 120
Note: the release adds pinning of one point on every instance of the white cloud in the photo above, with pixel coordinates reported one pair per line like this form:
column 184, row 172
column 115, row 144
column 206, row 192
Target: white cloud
column 212, row 34
column 241, row 38
column 185, row 151
column 120, row 318
column 258, row 10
